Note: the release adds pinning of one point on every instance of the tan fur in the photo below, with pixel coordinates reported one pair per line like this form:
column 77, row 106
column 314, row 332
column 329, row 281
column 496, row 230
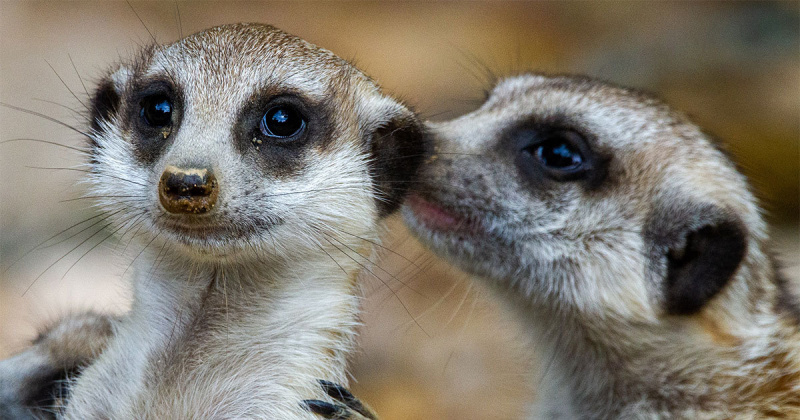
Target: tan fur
column 581, row 265
column 718, row 335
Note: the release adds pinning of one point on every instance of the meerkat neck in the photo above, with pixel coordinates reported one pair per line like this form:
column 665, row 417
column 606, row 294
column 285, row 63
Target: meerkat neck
column 191, row 334
column 725, row 360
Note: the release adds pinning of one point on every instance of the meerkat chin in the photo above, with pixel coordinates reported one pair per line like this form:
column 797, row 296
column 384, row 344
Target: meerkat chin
column 627, row 243
column 258, row 167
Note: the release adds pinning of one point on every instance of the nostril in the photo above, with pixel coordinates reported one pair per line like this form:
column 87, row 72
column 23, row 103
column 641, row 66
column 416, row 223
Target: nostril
column 189, row 190
column 188, row 184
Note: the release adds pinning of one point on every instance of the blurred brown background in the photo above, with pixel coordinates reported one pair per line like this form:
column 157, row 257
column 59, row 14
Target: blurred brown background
column 439, row 347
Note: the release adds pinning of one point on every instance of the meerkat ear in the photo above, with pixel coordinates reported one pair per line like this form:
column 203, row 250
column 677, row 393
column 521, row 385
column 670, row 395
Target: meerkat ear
column 703, row 248
column 106, row 98
column 397, row 147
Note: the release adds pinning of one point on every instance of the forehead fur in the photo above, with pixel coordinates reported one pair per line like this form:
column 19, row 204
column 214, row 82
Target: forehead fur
column 220, row 68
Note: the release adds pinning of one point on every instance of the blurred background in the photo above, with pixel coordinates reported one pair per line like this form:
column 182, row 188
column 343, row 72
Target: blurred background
column 436, row 346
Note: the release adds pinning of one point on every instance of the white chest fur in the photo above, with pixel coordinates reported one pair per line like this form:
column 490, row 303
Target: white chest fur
column 224, row 342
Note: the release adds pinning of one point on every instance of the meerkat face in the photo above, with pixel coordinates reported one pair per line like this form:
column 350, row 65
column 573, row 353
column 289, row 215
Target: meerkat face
column 580, row 194
column 243, row 140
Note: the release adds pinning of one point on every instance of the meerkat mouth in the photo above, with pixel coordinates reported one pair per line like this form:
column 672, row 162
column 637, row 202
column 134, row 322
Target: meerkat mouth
column 204, row 236
column 440, row 219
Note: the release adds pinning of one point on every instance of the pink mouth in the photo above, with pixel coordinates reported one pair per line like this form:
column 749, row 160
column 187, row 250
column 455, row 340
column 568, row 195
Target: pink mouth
column 438, row 218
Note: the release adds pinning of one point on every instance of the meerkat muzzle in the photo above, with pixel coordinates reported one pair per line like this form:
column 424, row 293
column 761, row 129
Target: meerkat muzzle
column 187, row 191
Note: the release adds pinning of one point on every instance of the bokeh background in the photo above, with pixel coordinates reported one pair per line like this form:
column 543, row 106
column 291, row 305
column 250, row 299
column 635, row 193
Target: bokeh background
column 434, row 345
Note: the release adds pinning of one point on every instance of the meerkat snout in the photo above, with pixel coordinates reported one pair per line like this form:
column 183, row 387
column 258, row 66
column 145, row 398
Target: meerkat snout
column 188, row 190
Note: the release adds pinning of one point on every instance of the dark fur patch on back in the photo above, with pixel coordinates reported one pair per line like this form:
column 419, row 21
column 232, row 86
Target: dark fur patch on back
column 397, row 150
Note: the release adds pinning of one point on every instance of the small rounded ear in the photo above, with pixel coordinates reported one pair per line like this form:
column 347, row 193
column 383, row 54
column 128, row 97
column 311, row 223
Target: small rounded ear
column 397, row 149
column 703, row 248
column 105, row 102
column 106, row 98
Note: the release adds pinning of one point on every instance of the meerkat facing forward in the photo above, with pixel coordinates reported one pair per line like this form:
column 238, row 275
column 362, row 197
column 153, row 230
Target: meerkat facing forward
column 629, row 246
column 259, row 167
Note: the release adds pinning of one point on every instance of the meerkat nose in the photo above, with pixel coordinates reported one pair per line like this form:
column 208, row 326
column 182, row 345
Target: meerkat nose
column 188, row 190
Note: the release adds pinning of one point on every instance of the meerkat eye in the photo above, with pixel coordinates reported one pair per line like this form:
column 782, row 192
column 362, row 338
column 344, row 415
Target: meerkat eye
column 156, row 111
column 282, row 121
column 558, row 154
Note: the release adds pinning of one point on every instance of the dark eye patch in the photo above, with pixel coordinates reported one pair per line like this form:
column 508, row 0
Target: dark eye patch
column 277, row 127
column 154, row 115
column 556, row 151
column 553, row 153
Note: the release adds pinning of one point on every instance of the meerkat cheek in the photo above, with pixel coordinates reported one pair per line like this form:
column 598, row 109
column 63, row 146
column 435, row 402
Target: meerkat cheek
column 433, row 216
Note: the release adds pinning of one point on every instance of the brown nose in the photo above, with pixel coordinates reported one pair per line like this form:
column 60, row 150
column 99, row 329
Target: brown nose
column 187, row 191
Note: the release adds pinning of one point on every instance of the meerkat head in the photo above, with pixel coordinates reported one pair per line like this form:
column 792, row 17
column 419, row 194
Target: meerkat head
column 584, row 195
column 244, row 140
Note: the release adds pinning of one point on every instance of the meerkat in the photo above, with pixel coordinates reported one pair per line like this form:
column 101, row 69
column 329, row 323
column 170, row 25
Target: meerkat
column 627, row 243
column 259, row 167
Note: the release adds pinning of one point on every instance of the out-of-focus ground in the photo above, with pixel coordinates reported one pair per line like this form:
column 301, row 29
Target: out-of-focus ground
column 436, row 347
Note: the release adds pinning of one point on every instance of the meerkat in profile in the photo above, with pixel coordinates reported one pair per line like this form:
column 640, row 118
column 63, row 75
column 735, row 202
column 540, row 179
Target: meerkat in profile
column 628, row 244
column 259, row 167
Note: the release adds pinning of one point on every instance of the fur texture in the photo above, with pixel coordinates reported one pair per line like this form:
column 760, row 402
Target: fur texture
column 240, row 310
column 642, row 277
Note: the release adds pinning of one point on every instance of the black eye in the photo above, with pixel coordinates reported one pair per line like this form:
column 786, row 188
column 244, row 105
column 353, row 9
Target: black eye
column 560, row 155
column 556, row 153
column 281, row 122
column 156, row 111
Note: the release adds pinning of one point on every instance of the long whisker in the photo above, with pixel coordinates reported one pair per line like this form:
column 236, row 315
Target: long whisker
column 78, row 75
column 70, row 109
column 87, row 197
column 332, row 259
column 461, row 333
column 384, row 283
column 65, row 84
column 88, row 171
column 134, row 223
column 416, row 270
column 62, row 257
column 142, row 22
column 380, row 246
column 346, row 187
column 47, row 117
column 139, row 254
column 460, row 304
column 380, row 268
column 157, row 261
column 178, row 18
column 105, row 217
column 441, row 300
column 49, row 239
column 122, row 225
column 82, row 151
